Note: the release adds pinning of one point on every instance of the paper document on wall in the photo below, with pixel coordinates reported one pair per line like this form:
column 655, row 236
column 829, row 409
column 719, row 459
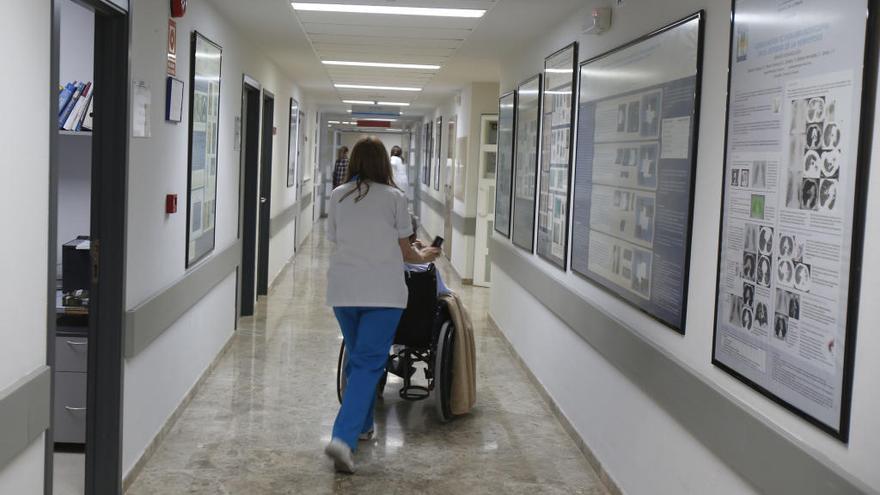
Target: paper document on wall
column 141, row 99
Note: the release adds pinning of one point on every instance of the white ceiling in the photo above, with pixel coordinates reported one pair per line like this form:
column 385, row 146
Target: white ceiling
column 469, row 50
column 387, row 38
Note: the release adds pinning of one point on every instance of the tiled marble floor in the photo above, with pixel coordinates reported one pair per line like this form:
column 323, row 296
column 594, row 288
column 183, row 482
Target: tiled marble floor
column 259, row 424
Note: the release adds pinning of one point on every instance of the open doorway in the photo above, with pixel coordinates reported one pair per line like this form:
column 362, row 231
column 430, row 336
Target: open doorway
column 265, row 193
column 86, row 287
column 250, row 155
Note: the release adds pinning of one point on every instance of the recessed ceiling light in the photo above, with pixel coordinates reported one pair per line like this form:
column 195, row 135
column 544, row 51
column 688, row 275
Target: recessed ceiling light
column 333, row 122
column 388, row 10
column 359, row 102
column 379, row 120
column 380, row 88
column 394, row 104
column 387, row 65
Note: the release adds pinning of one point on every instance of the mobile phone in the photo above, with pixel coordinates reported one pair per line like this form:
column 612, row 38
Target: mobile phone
column 438, row 242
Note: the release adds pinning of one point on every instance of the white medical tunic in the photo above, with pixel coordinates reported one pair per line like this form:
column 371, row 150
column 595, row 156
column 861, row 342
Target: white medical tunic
column 366, row 267
column 400, row 175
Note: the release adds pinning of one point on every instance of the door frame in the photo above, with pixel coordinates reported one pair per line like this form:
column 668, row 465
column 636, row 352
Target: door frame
column 248, row 264
column 264, row 206
column 109, row 186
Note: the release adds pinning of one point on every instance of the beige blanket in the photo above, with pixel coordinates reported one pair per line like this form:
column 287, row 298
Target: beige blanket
column 464, row 360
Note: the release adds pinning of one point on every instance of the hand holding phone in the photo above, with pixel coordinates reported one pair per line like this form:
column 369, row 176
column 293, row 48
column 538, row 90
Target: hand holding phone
column 438, row 242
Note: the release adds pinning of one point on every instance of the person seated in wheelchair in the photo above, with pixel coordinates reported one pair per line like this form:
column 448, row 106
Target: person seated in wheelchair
column 442, row 289
column 397, row 365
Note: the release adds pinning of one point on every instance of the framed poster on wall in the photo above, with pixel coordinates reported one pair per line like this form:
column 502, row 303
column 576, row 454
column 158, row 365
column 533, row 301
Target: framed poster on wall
column 204, row 125
column 438, row 149
column 504, row 164
column 293, row 143
column 305, row 171
column 429, row 153
column 525, row 168
column 556, row 143
column 638, row 118
column 793, row 204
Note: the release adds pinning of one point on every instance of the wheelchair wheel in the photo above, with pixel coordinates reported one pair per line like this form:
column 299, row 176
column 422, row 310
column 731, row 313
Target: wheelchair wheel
column 342, row 381
column 443, row 370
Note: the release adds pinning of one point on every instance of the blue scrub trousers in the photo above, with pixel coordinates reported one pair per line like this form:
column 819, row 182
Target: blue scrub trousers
column 368, row 334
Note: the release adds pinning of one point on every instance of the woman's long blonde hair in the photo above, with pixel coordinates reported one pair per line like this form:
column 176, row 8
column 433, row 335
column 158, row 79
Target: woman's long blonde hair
column 369, row 163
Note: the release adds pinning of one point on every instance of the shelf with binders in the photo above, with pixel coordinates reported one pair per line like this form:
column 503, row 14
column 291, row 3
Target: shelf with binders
column 75, row 107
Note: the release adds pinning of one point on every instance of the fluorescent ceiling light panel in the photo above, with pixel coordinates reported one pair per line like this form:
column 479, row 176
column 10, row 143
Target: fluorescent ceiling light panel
column 393, row 104
column 379, row 88
column 386, row 65
column 386, row 10
column 359, row 102
column 332, row 121
column 380, row 120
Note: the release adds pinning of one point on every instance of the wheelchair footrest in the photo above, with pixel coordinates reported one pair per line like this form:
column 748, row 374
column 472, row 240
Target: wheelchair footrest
column 414, row 392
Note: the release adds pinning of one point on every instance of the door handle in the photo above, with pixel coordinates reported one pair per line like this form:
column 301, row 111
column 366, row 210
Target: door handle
column 70, row 342
column 74, row 409
column 263, row 200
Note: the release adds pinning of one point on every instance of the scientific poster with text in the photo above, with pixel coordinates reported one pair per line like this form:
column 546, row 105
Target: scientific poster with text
column 789, row 198
column 636, row 137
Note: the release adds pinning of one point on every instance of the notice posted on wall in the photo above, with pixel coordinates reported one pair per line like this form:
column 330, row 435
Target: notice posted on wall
column 790, row 183
column 634, row 170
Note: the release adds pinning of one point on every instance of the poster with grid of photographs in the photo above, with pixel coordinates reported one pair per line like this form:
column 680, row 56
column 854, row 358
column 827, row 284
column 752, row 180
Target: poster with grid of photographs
column 204, row 125
column 638, row 113
column 791, row 217
column 293, row 150
column 556, row 142
column 525, row 166
column 504, row 163
column 438, row 159
column 428, row 140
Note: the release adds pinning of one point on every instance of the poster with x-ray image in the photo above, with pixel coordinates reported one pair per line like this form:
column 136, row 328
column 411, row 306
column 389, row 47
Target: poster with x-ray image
column 784, row 319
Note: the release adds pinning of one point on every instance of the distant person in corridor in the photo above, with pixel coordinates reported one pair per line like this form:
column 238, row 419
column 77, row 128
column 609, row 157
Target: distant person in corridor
column 399, row 168
column 340, row 169
column 370, row 225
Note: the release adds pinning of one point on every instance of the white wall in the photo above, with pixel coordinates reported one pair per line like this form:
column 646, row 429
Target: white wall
column 157, row 379
column 472, row 101
column 433, row 222
column 24, row 146
column 74, row 188
column 642, row 448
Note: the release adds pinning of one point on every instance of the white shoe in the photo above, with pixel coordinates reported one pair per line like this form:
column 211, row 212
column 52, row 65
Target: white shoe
column 367, row 436
column 340, row 452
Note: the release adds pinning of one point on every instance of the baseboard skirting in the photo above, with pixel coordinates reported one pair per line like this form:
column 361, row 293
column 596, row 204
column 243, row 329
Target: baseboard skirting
column 129, row 478
column 604, row 476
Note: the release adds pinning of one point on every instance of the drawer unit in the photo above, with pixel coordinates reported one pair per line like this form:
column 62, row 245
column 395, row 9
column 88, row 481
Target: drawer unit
column 70, row 407
column 71, row 354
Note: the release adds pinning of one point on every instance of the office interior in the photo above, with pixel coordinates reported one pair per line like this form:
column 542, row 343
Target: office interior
column 626, row 400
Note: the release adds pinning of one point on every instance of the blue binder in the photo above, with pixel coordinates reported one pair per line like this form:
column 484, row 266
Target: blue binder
column 64, row 97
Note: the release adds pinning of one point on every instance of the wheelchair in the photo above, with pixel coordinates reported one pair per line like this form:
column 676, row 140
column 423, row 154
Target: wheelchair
column 425, row 334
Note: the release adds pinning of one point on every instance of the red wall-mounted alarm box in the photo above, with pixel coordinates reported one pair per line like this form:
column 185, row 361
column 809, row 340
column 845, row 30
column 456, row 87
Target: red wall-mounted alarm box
column 170, row 203
column 178, row 8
